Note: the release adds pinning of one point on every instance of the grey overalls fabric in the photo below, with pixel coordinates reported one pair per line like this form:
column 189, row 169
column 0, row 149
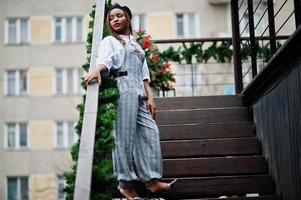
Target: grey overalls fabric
column 137, row 155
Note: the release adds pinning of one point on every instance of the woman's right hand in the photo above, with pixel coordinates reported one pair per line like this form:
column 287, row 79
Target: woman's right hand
column 93, row 75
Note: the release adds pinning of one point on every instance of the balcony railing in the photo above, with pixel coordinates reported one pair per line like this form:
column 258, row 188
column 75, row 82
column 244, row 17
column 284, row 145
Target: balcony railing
column 211, row 76
column 214, row 76
column 246, row 20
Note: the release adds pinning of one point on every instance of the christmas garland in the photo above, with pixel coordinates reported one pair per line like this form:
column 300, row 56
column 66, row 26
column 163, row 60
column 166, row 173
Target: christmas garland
column 219, row 51
column 159, row 63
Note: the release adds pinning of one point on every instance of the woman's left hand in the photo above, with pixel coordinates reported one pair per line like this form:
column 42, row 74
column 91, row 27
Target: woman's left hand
column 93, row 75
column 151, row 106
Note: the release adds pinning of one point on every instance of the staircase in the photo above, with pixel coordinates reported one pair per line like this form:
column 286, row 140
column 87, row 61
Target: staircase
column 209, row 144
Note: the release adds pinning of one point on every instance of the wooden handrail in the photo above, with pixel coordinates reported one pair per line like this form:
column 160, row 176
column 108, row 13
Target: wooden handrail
column 85, row 156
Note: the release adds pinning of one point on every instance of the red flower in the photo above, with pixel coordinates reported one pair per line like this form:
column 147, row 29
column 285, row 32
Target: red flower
column 156, row 58
column 147, row 44
column 148, row 36
column 167, row 67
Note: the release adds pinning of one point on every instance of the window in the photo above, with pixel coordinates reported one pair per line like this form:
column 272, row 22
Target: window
column 59, row 81
column 24, row 31
column 180, row 25
column 17, row 188
column 16, row 82
column 191, row 25
column 58, row 29
column 61, row 183
column 12, row 31
column 67, row 81
column 138, row 22
column 79, row 29
column 16, row 135
column 65, row 134
column 17, row 31
column 68, row 29
column 186, row 25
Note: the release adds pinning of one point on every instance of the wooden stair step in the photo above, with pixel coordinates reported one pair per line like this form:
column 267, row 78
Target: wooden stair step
column 208, row 143
column 231, row 185
column 202, row 115
column 206, row 130
column 169, row 103
column 210, row 147
column 188, row 167
column 204, row 187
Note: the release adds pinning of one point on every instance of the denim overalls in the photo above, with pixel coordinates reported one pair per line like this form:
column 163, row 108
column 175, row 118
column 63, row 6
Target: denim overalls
column 137, row 155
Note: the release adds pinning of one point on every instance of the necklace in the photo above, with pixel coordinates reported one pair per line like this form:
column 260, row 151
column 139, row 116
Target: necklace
column 134, row 48
column 133, row 45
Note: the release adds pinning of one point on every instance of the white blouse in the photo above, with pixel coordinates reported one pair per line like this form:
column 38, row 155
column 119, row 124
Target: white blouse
column 111, row 53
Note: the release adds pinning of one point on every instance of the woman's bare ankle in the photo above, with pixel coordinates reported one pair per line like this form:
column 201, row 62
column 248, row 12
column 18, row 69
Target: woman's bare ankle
column 158, row 186
column 129, row 193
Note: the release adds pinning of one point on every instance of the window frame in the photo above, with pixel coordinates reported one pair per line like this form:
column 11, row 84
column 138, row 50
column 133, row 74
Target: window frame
column 18, row 185
column 65, row 134
column 17, row 136
column 186, row 24
column 60, row 179
column 18, row 31
column 63, row 79
column 136, row 21
column 54, row 29
column 76, row 81
column 74, row 26
column 177, row 21
column 17, row 76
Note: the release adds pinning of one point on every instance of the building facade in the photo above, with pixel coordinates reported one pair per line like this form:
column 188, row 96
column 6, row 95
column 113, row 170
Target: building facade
column 42, row 48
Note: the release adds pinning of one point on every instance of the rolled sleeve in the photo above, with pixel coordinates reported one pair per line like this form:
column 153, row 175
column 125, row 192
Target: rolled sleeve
column 105, row 54
column 145, row 72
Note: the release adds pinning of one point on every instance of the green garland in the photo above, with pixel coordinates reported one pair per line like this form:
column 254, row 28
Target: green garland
column 219, row 51
column 161, row 73
column 103, row 178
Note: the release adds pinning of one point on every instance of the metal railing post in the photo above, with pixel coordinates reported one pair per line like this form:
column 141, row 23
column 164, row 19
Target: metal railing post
column 252, row 38
column 297, row 5
column 272, row 26
column 236, row 47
